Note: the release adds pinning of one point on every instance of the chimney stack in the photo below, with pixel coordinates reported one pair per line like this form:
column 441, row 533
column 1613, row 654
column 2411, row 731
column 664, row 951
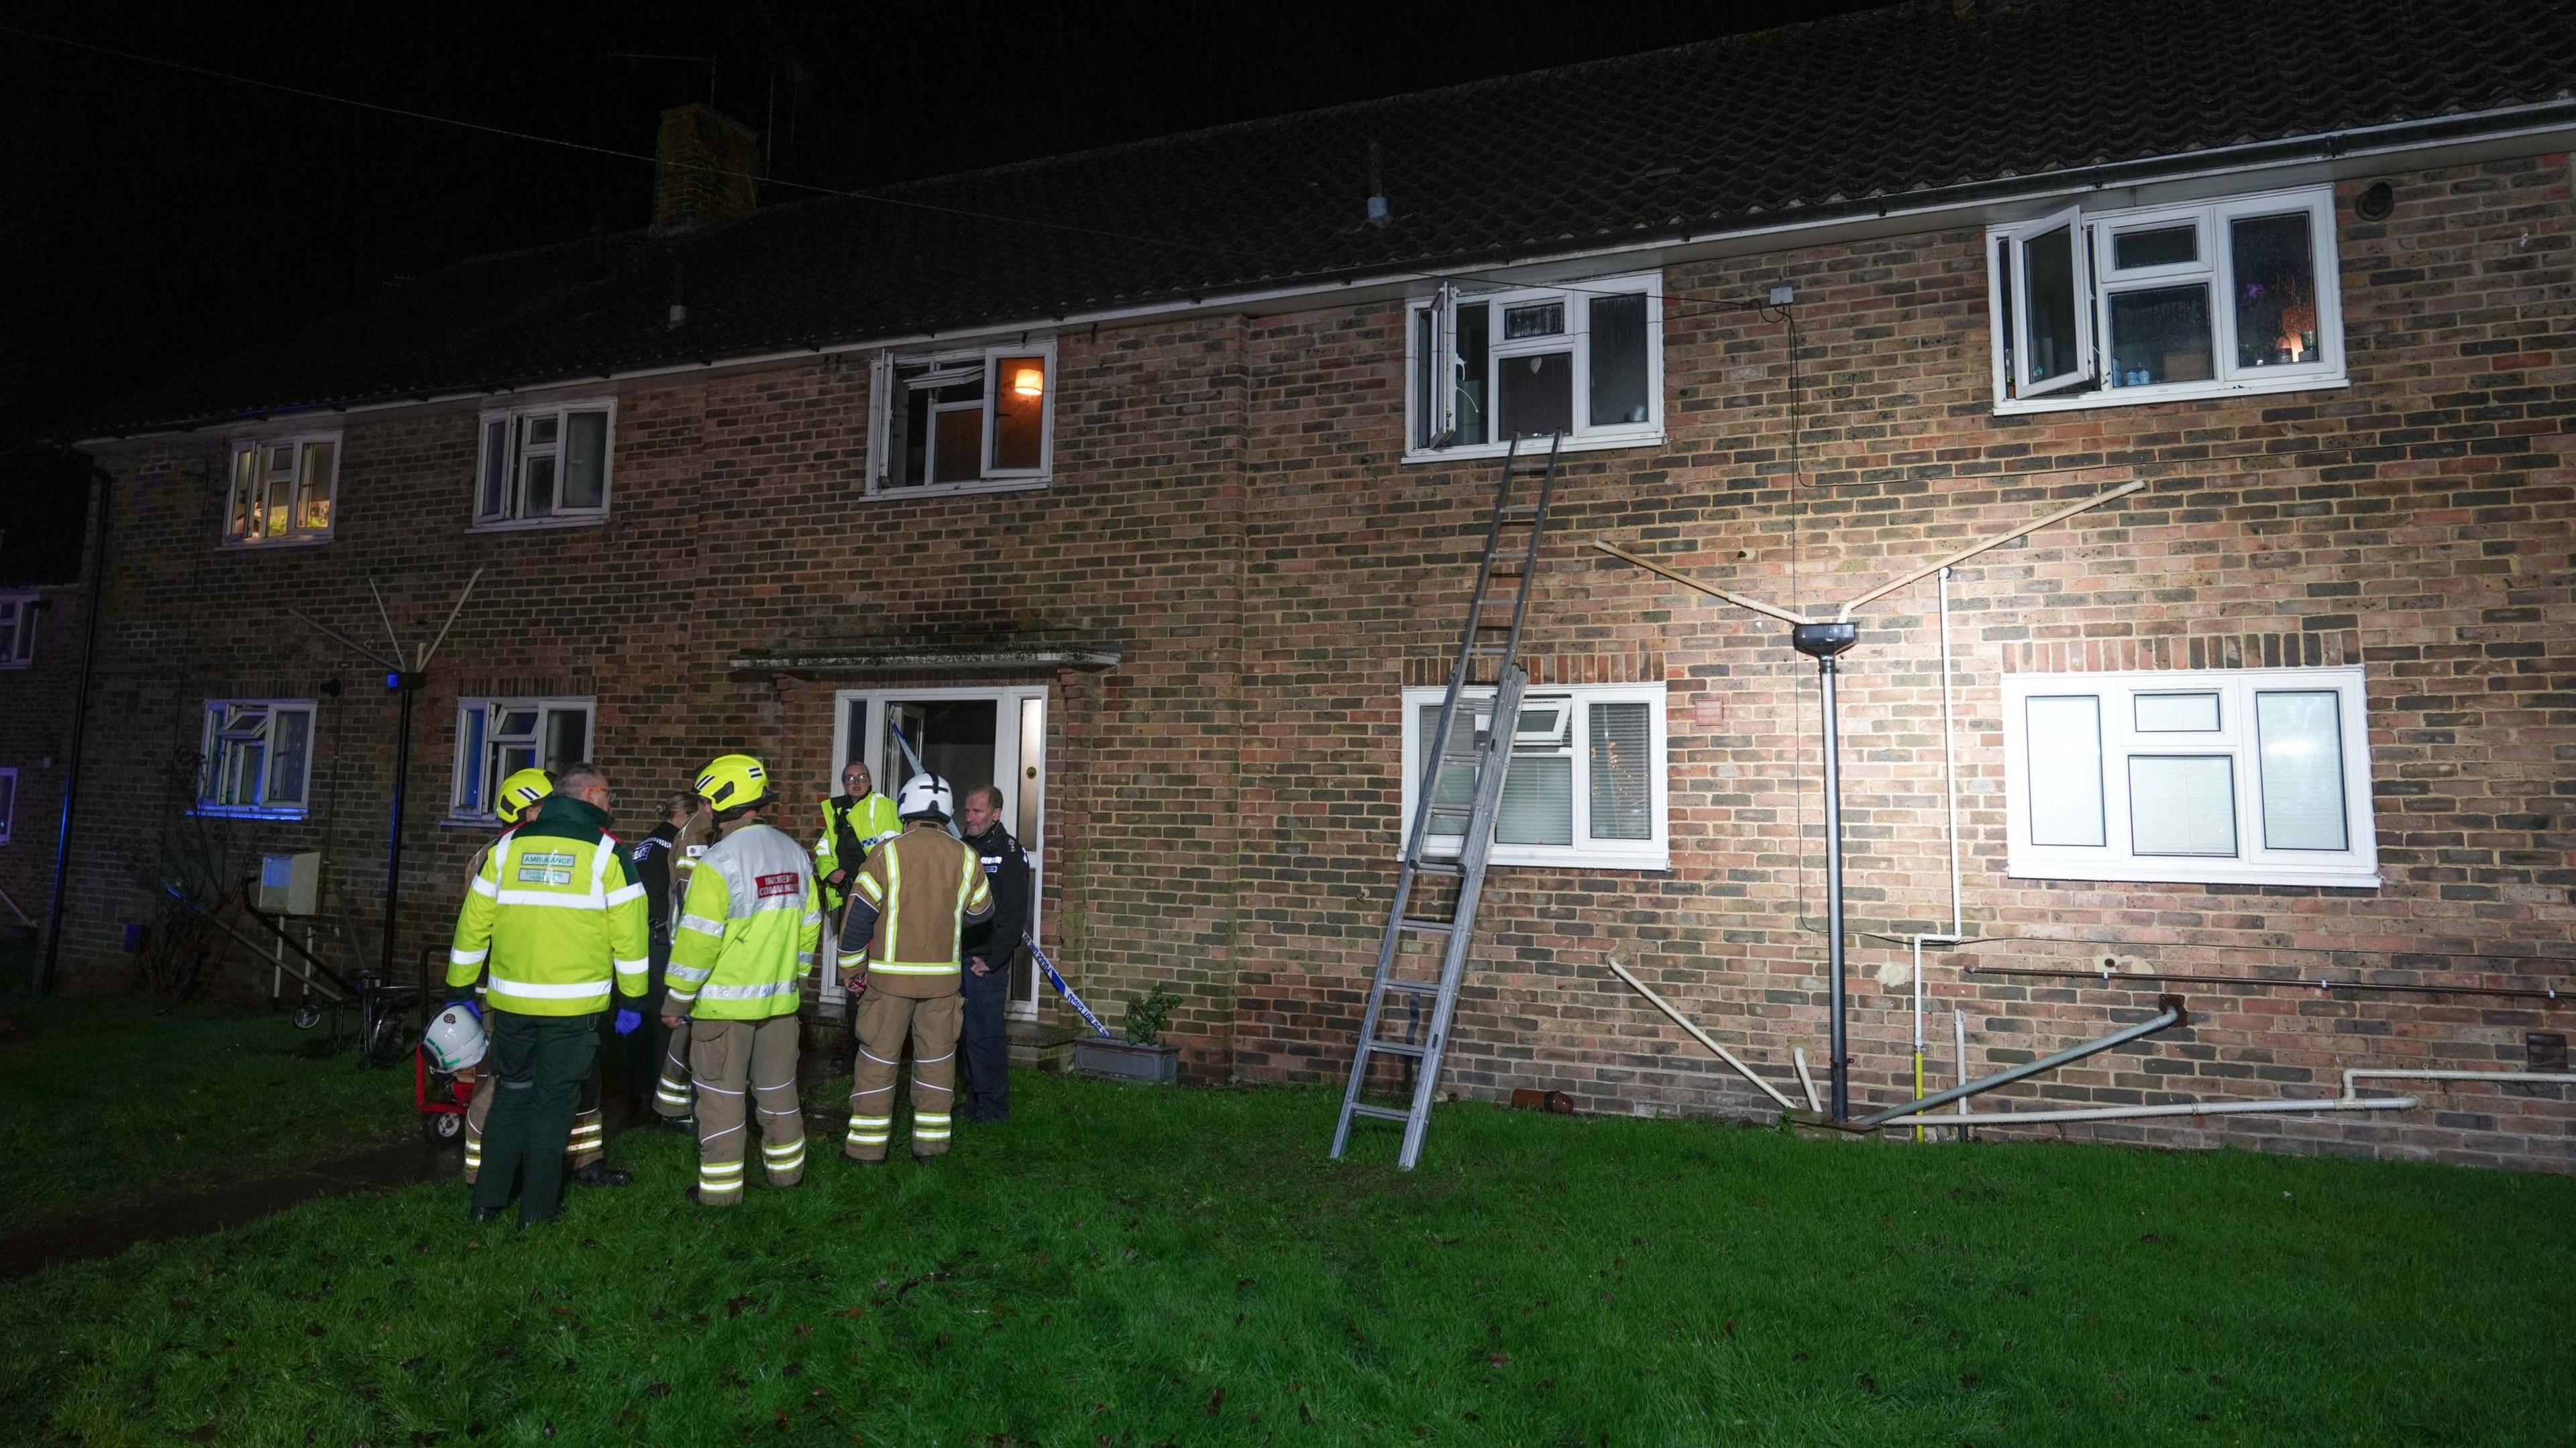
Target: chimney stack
column 703, row 167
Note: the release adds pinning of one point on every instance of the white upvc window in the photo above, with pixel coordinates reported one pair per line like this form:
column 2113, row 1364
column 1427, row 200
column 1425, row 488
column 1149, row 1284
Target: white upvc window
column 258, row 758
column 2157, row 303
column 975, row 420
column 17, row 630
column 1585, row 788
column 284, row 490
column 2190, row 776
column 8, row 802
column 496, row 738
column 1483, row 367
column 545, row 466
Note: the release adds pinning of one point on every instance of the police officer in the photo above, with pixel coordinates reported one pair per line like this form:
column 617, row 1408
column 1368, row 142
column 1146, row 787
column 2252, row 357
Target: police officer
column 588, row 1145
column 652, row 860
column 989, row 949
column 908, row 902
column 557, row 913
column 749, row 930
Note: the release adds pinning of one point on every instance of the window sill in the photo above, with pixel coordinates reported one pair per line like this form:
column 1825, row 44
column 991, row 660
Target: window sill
column 2171, row 392
column 468, row 822
column 274, row 545
column 2141, row 873
column 248, row 812
column 7, row 665
column 1598, row 442
column 943, row 490
column 1569, row 861
column 538, row 525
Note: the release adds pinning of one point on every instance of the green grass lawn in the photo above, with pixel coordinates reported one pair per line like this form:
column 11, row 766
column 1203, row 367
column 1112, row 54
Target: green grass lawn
column 1137, row 1267
column 108, row 1099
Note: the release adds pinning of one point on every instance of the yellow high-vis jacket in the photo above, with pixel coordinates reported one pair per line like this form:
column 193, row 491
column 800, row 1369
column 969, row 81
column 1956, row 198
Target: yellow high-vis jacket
column 749, row 930
column 852, row 829
column 557, row 914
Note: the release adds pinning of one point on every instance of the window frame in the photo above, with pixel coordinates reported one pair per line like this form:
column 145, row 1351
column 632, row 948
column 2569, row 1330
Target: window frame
column 2097, row 281
column 8, row 801
column 20, row 651
column 1588, row 852
column 491, row 706
column 1578, row 299
column 990, row 479
column 511, row 516
column 2237, row 738
column 235, row 483
column 209, row 760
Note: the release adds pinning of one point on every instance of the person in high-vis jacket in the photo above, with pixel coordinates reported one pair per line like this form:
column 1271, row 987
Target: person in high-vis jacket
column 558, row 917
column 750, row 928
column 855, row 821
column 908, row 903
column 656, row 858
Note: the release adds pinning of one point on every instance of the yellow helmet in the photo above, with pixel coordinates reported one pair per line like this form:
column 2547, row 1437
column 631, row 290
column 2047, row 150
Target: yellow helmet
column 732, row 781
column 518, row 792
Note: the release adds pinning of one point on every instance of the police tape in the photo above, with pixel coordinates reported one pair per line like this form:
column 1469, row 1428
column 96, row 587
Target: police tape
column 1055, row 978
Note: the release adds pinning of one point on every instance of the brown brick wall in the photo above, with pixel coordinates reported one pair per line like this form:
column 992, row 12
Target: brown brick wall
column 1230, row 506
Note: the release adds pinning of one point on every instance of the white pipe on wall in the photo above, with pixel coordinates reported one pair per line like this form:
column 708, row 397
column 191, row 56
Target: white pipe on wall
column 2182, row 1108
column 1699, row 1035
column 1959, row 1029
column 2559, row 1077
column 1807, row 1079
column 1949, row 782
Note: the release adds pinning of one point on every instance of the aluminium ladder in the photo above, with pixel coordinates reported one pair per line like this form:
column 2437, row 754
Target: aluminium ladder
column 1487, row 636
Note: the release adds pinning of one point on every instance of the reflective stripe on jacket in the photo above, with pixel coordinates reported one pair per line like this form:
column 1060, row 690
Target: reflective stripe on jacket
column 907, row 906
column 556, row 914
column 750, row 927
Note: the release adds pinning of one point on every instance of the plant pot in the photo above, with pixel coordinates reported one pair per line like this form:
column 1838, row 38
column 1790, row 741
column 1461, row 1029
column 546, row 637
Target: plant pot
column 1110, row 1060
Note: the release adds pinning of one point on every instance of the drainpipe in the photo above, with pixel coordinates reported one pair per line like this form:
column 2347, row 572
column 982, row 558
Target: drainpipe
column 2181, row 1108
column 2349, row 1077
column 105, row 491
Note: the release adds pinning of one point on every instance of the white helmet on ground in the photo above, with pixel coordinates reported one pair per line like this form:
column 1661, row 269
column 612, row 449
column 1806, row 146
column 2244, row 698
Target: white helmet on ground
column 925, row 796
column 455, row 1039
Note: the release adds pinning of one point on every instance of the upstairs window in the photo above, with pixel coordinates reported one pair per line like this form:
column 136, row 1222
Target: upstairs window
column 544, row 465
column 1485, row 367
column 8, row 802
column 962, row 420
column 1586, row 782
column 258, row 758
column 2208, row 776
column 2152, row 304
column 496, row 738
column 283, row 490
column 17, row 631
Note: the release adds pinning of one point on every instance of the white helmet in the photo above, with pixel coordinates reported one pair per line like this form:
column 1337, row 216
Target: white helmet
column 925, row 796
column 455, row 1039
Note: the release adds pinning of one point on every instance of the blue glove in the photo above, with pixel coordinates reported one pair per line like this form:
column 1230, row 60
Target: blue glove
column 627, row 1021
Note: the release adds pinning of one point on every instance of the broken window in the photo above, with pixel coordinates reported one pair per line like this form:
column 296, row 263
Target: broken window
column 544, row 465
column 1582, row 361
column 962, row 419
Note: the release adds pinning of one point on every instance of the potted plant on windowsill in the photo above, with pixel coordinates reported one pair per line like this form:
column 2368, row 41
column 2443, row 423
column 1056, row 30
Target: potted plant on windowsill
column 1144, row 1056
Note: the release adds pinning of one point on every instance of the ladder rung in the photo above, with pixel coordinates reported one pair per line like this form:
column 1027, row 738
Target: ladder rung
column 1415, row 987
column 1437, row 867
column 1449, row 809
column 1427, row 927
column 1396, row 1048
column 1517, row 511
column 1379, row 1113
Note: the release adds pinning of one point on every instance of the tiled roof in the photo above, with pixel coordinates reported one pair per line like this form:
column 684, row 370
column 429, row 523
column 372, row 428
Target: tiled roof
column 1862, row 111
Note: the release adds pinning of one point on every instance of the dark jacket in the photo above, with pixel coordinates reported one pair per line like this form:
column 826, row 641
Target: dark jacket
column 1007, row 870
column 652, row 860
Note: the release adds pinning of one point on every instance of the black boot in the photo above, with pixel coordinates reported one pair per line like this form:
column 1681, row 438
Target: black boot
column 601, row 1174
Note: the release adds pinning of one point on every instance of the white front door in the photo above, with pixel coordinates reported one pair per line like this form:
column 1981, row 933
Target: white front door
column 972, row 737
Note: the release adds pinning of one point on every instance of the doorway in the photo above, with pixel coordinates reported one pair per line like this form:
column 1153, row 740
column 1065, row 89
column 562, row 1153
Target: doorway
column 972, row 737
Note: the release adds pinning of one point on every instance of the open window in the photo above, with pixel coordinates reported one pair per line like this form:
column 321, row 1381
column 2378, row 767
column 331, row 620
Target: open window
column 17, row 630
column 496, row 738
column 1585, row 787
column 954, row 421
column 258, row 758
column 545, row 466
column 284, row 490
column 2147, row 304
column 1485, row 367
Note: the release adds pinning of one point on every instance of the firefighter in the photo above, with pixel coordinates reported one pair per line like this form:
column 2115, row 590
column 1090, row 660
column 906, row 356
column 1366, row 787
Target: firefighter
column 908, row 902
column 588, row 1145
column 750, row 928
column 557, row 913
column 671, row 1097
column 654, row 856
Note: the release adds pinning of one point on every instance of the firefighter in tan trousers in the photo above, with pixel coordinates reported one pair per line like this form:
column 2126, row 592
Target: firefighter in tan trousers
column 908, row 903
column 583, row 1153
column 693, row 829
column 750, row 928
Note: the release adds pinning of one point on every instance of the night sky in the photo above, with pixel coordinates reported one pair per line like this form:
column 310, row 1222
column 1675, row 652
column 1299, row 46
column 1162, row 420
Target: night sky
column 156, row 219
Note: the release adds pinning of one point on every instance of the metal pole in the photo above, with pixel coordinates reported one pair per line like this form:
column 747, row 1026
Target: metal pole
column 2171, row 1015
column 1839, row 1067
column 408, row 687
column 80, row 728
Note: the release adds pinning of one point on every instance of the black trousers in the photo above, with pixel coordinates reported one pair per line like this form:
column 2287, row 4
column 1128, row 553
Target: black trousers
column 984, row 1045
column 542, row 1064
column 639, row 1055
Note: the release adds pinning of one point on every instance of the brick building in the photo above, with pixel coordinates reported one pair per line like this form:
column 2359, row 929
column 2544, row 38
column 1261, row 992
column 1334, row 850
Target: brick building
column 41, row 612
column 1122, row 480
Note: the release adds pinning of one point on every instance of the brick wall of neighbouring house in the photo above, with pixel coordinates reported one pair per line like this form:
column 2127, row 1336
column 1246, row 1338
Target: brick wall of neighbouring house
column 36, row 707
column 1229, row 505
